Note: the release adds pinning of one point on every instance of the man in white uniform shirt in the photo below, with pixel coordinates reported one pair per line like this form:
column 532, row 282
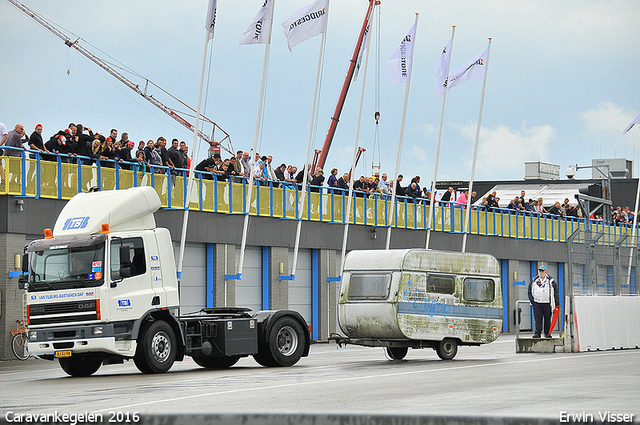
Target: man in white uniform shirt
column 544, row 297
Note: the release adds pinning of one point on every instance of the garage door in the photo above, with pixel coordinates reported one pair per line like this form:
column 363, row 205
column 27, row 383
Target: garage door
column 300, row 288
column 249, row 288
column 522, row 285
column 193, row 285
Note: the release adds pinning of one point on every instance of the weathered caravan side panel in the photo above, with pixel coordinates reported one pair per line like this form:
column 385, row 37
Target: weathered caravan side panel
column 366, row 310
column 428, row 296
column 450, row 295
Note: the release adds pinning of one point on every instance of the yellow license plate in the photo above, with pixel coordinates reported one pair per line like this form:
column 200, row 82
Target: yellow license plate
column 66, row 353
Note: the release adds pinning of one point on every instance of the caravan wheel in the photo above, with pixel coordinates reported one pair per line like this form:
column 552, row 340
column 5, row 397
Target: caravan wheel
column 447, row 349
column 397, row 353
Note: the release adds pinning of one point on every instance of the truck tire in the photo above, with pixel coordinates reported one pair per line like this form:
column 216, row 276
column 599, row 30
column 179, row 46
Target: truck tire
column 447, row 349
column 397, row 353
column 285, row 346
column 80, row 365
column 157, row 349
column 210, row 362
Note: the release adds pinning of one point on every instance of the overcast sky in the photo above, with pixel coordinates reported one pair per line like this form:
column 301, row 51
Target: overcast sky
column 563, row 79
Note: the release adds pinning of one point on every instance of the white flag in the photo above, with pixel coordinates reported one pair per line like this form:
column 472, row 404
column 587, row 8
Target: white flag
column 211, row 17
column 364, row 46
column 475, row 69
column 399, row 64
column 259, row 32
column 443, row 69
column 636, row 120
column 306, row 23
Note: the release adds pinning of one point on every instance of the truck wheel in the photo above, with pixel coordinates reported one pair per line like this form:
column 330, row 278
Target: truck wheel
column 211, row 362
column 157, row 348
column 263, row 357
column 80, row 365
column 447, row 349
column 397, row 353
column 286, row 344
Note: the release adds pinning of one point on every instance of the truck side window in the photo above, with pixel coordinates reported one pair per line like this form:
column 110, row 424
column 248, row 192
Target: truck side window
column 137, row 263
column 476, row 289
column 440, row 283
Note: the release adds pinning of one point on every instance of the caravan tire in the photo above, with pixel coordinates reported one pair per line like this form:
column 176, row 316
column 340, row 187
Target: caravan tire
column 447, row 349
column 397, row 353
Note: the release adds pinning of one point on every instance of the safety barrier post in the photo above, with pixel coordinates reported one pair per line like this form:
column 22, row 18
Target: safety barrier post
column 169, row 186
column 270, row 198
column 406, row 214
column 201, row 201
column 320, row 204
column 245, row 207
column 59, row 178
column 216, row 192
column 38, row 177
column 23, row 174
column 257, row 183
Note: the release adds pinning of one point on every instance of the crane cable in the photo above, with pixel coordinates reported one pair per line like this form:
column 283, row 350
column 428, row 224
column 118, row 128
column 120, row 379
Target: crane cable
column 376, row 137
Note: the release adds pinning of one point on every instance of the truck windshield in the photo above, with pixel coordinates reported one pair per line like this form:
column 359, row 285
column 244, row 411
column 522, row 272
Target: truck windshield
column 66, row 268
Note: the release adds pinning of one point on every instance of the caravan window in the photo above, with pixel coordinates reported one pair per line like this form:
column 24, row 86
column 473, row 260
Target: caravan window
column 476, row 289
column 441, row 283
column 369, row 286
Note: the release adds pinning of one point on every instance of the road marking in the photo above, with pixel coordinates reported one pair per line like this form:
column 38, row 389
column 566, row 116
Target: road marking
column 346, row 379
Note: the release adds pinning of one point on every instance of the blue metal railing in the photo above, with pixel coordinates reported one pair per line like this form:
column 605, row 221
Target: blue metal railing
column 53, row 177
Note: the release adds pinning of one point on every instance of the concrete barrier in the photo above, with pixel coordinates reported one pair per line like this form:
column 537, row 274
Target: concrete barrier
column 540, row 345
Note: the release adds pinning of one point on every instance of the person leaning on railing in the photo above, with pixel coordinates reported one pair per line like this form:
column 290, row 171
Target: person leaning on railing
column 14, row 140
column 36, row 143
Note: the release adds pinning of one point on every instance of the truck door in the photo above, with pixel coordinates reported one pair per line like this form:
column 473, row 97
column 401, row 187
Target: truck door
column 131, row 292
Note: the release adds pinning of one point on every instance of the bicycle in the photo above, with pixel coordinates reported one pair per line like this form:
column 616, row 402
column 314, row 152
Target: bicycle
column 19, row 341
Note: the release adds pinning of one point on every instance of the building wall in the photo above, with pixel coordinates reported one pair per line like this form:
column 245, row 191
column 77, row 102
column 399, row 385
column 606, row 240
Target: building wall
column 10, row 296
column 208, row 234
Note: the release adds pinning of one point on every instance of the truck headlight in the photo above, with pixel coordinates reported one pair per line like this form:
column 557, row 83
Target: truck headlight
column 96, row 330
column 33, row 335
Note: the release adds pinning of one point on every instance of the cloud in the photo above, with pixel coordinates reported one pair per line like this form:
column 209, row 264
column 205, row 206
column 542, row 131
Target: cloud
column 607, row 118
column 503, row 151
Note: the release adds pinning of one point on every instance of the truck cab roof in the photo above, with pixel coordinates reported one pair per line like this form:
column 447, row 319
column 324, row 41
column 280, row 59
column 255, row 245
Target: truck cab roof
column 122, row 210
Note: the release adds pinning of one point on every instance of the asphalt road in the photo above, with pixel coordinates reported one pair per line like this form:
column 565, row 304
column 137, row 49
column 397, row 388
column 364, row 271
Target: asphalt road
column 490, row 380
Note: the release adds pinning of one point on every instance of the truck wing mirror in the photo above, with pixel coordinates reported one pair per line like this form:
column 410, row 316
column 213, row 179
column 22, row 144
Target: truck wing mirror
column 125, row 271
column 25, row 263
column 22, row 279
column 125, row 256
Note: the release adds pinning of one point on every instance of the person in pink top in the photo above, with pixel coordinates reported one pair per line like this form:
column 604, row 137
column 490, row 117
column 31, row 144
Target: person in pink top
column 462, row 199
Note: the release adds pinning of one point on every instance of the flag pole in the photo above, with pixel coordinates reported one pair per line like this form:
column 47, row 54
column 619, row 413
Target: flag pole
column 435, row 167
column 306, row 161
column 345, row 233
column 247, row 203
column 395, row 183
column 187, row 202
column 475, row 154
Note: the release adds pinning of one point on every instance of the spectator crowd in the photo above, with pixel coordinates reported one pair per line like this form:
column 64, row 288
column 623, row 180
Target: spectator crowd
column 80, row 143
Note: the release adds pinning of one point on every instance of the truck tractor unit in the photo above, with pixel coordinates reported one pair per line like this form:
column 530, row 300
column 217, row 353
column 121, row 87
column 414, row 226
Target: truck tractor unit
column 102, row 288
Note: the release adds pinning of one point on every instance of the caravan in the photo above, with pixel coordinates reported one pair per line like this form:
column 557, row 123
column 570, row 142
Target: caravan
column 417, row 298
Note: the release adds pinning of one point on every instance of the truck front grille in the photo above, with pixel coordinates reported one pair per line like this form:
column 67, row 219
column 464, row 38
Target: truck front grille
column 77, row 311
